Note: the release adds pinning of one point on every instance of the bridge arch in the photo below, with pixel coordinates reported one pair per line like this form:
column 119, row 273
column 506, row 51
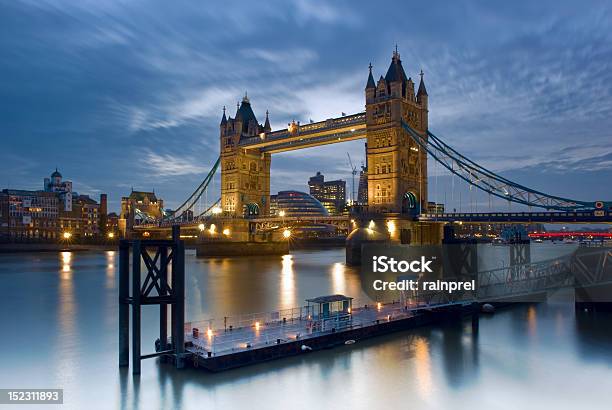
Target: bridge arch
column 251, row 210
column 410, row 205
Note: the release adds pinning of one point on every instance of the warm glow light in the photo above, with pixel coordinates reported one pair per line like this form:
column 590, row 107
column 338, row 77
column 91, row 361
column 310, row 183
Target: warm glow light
column 111, row 235
column 371, row 225
column 256, row 325
column 226, row 232
column 349, row 310
column 378, row 305
column 201, row 227
column 391, row 227
column 217, row 210
column 67, row 235
column 209, row 332
column 146, row 234
column 212, row 228
column 281, row 213
column 286, row 233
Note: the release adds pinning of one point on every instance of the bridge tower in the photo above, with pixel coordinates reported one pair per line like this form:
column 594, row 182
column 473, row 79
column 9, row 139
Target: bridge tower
column 245, row 173
column 397, row 167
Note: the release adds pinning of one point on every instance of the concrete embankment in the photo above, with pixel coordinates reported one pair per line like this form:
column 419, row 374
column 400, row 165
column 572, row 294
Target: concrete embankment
column 53, row 247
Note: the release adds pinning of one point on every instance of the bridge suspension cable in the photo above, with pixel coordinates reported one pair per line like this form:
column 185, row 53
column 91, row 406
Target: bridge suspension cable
column 208, row 211
column 197, row 194
column 489, row 181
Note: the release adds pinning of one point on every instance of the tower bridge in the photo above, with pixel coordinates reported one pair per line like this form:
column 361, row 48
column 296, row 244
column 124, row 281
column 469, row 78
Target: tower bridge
column 399, row 144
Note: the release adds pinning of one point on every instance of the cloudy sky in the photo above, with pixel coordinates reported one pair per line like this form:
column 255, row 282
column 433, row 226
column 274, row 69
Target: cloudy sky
column 121, row 94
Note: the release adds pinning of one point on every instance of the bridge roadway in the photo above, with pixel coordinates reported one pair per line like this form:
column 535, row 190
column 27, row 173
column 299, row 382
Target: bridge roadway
column 597, row 216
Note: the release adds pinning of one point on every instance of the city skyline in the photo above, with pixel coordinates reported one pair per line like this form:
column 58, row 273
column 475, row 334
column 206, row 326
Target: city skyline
column 135, row 101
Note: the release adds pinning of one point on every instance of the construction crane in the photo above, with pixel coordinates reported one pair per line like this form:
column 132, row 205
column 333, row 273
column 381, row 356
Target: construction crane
column 353, row 172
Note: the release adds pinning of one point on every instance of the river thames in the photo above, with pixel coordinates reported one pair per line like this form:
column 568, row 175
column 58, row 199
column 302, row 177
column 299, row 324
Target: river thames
column 59, row 315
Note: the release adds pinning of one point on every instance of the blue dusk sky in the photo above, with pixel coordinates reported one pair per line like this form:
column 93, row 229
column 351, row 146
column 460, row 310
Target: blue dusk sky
column 121, row 94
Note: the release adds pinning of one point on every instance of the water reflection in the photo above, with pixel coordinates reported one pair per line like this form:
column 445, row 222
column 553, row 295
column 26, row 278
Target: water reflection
column 287, row 283
column 593, row 337
column 532, row 324
column 67, row 338
column 339, row 278
column 110, row 270
column 423, row 366
column 443, row 366
column 66, row 272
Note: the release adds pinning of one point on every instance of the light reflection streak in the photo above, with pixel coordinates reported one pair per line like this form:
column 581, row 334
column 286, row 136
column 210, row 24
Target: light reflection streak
column 423, row 367
column 338, row 278
column 287, row 282
column 66, row 272
column 67, row 310
column 110, row 269
column 532, row 321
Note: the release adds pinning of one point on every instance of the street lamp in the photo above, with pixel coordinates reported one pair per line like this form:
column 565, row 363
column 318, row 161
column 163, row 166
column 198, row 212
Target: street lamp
column 111, row 235
column 281, row 214
column 201, row 227
column 286, row 234
column 67, row 235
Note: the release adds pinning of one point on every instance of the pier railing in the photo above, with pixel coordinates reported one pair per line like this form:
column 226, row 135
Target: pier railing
column 214, row 337
column 525, row 278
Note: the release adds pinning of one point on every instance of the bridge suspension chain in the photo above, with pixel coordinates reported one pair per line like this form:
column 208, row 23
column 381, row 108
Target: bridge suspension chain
column 189, row 204
column 489, row 181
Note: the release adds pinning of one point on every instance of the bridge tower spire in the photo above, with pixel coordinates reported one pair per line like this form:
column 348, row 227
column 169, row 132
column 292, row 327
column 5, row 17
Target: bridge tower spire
column 397, row 167
column 245, row 173
column 370, row 88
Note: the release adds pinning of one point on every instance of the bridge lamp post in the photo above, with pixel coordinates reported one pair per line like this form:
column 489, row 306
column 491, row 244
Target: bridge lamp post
column 201, row 227
column 226, row 232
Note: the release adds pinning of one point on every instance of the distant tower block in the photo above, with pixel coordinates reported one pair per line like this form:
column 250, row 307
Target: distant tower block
column 397, row 166
column 245, row 173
